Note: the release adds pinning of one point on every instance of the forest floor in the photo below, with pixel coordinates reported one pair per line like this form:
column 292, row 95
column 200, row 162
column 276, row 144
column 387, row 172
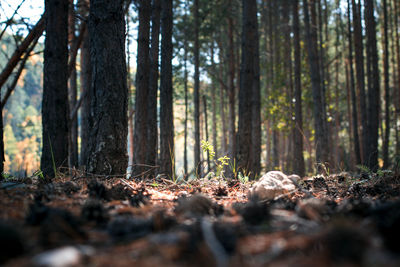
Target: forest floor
column 339, row 220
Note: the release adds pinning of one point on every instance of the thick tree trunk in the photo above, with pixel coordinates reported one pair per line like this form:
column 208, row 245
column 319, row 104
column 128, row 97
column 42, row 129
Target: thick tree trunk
column 298, row 158
column 107, row 153
column 152, row 127
column 55, row 111
column 373, row 87
column 321, row 133
column 247, row 85
column 142, row 90
column 167, row 156
column 196, row 90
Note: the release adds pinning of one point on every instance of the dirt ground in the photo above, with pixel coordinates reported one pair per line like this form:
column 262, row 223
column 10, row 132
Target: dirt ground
column 340, row 220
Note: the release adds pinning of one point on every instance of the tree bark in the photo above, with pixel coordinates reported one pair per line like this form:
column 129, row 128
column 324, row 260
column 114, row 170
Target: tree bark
column 255, row 101
column 167, row 156
column 359, row 59
column 247, row 85
column 55, row 110
column 321, row 133
column 152, row 127
column 86, row 80
column 298, row 158
column 231, row 87
column 142, row 90
column 385, row 59
column 356, row 138
column 196, row 90
column 107, row 153
column 73, row 90
column 371, row 159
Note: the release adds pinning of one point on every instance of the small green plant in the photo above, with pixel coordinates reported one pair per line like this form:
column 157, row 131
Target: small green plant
column 364, row 169
column 6, row 176
column 243, row 178
column 324, row 168
column 39, row 174
column 220, row 163
column 233, row 167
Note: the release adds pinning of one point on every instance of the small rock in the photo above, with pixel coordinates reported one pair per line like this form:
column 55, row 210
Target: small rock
column 63, row 257
column 272, row 185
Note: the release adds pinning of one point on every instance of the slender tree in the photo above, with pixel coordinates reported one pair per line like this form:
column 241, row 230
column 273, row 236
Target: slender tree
column 166, row 92
column 298, row 158
column 152, row 127
column 142, row 89
column 73, row 88
column 55, row 108
column 321, row 133
column 353, row 90
column 196, row 88
column 360, row 73
column 385, row 59
column 256, row 99
column 107, row 153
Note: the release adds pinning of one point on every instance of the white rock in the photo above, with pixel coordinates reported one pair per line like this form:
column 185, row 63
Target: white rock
column 273, row 184
column 62, row 257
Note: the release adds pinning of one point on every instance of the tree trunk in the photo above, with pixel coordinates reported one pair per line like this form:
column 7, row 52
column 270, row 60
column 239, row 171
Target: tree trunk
column 196, row 52
column 142, row 91
column 373, row 87
column 359, row 59
column 167, row 160
column 86, row 80
column 385, row 41
column 55, row 111
column 397, row 100
column 107, row 153
column 73, row 127
column 185, row 161
column 231, row 88
column 152, row 127
column 321, row 133
column 298, row 158
column 222, row 98
column 206, row 130
column 214, row 103
column 256, row 103
column 247, row 85
column 356, row 139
